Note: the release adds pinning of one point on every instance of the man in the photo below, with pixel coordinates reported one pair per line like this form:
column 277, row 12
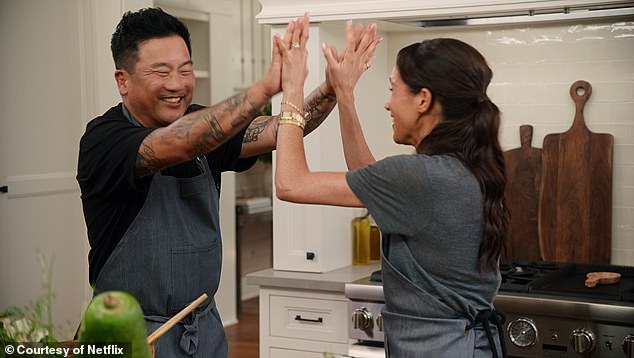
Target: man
column 149, row 171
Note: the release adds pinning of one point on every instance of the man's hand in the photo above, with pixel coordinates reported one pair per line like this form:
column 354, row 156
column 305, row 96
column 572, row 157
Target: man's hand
column 272, row 79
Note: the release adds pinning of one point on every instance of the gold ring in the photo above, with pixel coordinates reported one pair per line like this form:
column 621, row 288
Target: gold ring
column 295, row 45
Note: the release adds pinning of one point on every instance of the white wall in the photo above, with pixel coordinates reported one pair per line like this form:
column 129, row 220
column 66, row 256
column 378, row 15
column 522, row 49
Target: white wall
column 40, row 126
column 534, row 67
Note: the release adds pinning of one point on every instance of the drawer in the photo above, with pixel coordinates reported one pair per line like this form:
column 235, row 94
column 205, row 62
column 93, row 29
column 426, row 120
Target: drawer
column 309, row 319
column 289, row 353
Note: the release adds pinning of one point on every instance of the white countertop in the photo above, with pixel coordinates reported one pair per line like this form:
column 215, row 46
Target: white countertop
column 333, row 281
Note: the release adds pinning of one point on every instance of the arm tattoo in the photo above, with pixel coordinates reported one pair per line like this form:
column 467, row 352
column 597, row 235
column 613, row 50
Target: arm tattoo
column 254, row 130
column 317, row 107
column 201, row 131
column 146, row 160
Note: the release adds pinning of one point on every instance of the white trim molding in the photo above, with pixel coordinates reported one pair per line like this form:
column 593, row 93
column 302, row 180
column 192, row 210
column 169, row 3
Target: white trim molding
column 281, row 11
column 41, row 184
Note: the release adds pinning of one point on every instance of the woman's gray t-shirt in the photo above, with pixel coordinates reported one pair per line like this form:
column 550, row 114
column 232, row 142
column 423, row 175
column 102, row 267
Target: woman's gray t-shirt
column 434, row 202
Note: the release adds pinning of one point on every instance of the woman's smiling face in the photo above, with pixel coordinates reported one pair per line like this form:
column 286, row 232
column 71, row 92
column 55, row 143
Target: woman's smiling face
column 403, row 108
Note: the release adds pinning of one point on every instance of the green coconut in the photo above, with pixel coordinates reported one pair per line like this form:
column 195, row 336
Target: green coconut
column 115, row 317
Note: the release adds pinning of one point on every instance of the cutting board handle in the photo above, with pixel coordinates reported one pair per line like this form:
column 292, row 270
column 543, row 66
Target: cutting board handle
column 526, row 135
column 580, row 92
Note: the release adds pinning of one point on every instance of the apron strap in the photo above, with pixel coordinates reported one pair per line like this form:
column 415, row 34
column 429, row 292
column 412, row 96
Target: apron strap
column 189, row 339
column 486, row 317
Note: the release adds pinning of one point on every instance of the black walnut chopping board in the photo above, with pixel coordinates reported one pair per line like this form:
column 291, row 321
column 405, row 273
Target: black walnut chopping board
column 575, row 216
column 523, row 173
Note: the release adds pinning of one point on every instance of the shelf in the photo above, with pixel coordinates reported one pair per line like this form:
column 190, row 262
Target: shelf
column 185, row 14
column 201, row 74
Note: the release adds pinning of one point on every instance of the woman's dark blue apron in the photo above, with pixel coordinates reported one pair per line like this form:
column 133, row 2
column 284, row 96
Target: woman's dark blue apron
column 168, row 257
column 416, row 311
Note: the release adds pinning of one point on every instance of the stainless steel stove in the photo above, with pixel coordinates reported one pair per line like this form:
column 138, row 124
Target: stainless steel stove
column 549, row 312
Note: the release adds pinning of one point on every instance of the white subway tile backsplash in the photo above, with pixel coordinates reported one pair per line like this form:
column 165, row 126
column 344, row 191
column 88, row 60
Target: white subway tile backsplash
column 510, row 73
column 534, row 67
column 624, row 196
column 598, row 113
column 622, row 257
column 624, row 156
column 619, row 70
column 625, row 172
column 546, row 73
column 613, row 92
column 513, row 54
column 622, row 112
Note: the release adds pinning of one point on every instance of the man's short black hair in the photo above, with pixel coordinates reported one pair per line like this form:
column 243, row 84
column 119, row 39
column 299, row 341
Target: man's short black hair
column 139, row 26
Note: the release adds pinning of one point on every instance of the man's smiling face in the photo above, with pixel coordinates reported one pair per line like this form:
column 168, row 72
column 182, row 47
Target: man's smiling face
column 161, row 87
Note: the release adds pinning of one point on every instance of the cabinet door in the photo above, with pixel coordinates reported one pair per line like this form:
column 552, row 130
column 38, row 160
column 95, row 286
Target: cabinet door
column 44, row 110
column 314, row 238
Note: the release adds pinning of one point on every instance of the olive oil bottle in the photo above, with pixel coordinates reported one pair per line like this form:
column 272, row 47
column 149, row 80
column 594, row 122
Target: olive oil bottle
column 375, row 242
column 361, row 240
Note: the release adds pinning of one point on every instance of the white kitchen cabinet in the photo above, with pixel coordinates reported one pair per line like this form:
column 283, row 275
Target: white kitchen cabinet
column 302, row 323
column 314, row 238
column 318, row 238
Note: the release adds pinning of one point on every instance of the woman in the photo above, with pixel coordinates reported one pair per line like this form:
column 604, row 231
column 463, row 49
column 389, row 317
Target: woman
column 441, row 210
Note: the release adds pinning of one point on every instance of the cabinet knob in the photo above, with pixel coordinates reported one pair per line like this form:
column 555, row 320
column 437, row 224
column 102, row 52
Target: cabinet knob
column 310, row 256
column 4, row 189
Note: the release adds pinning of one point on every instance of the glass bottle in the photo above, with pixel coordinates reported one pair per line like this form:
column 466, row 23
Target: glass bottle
column 361, row 240
column 375, row 242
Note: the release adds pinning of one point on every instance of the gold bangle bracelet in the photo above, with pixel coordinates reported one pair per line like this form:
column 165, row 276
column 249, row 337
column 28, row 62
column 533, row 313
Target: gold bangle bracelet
column 292, row 106
column 293, row 116
column 291, row 121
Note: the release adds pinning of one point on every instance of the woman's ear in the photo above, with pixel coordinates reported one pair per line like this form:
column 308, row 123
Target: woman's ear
column 121, row 77
column 424, row 100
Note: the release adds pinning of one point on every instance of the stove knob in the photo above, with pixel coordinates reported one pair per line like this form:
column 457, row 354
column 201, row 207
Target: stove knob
column 361, row 319
column 379, row 322
column 628, row 346
column 582, row 341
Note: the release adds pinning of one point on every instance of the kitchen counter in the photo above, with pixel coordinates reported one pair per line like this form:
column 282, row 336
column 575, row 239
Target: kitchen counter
column 332, row 281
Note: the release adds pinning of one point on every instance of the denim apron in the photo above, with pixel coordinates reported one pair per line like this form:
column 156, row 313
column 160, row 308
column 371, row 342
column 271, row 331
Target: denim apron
column 168, row 257
column 417, row 310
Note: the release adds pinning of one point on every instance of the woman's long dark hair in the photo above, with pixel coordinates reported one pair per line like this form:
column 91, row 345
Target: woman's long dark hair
column 457, row 75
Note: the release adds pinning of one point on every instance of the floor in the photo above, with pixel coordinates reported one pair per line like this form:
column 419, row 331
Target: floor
column 243, row 337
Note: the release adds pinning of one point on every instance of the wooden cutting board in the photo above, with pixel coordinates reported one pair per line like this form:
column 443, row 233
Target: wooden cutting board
column 523, row 173
column 575, row 216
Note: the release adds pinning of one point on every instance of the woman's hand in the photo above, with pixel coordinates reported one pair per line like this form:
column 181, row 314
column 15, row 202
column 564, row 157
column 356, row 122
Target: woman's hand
column 294, row 56
column 344, row 70
column 272, row 79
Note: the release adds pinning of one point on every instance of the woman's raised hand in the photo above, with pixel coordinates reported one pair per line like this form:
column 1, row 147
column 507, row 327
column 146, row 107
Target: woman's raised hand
column 344, row 70
column 294, row 55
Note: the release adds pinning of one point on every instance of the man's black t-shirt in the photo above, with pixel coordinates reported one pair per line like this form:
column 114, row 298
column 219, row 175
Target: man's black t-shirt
column 111, row 195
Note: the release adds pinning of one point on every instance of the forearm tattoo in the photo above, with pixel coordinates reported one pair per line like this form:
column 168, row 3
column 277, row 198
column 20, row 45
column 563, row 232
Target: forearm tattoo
column 201, row 131
column 146, row 160
column 317, row 107
column 256, row 128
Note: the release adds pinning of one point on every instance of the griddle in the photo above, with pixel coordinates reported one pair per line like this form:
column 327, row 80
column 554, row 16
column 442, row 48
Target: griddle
column 569, row 281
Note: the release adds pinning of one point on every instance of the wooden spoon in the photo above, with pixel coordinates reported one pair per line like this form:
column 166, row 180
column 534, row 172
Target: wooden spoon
column 151, row 339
